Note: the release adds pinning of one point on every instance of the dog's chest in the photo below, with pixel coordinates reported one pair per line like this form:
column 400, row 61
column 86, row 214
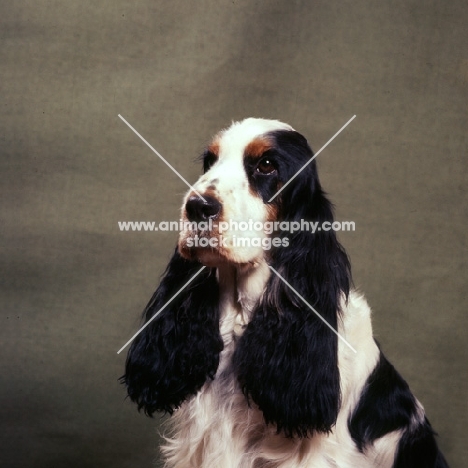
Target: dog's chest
column 218, row 427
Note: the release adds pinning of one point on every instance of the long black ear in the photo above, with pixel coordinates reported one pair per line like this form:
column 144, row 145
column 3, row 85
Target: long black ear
column 287, row 357
column 177, row 352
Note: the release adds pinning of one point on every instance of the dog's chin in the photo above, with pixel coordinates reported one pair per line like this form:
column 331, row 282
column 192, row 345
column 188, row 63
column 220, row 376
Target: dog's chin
column 207, row 256
column 215, row 258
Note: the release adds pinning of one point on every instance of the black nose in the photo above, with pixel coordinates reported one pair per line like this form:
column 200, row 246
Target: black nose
column 200, row 210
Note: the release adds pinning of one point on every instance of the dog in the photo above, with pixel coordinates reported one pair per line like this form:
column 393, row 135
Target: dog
column 262, row 351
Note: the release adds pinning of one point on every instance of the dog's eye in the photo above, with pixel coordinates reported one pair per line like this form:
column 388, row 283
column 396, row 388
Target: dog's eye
column 265, row 166
column 209, row 160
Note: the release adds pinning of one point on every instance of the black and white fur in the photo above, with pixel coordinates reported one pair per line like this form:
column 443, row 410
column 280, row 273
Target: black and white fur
column 251, row 376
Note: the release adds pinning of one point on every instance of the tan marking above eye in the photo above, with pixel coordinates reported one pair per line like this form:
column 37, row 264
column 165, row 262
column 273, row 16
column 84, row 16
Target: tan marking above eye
column 257, row 147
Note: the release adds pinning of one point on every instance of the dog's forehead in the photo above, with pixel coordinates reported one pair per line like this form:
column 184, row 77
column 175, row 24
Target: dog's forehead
column 235, row 138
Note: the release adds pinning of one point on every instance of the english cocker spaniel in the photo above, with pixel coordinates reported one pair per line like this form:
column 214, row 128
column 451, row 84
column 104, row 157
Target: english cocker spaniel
column 262, row 351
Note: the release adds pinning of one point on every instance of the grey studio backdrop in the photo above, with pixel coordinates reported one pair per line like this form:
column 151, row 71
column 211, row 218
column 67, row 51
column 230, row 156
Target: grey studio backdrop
column 73, row 286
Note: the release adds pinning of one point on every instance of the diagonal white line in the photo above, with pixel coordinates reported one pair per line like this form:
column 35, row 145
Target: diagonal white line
column 310, row 307
column 311, row 159
column 161, row 309
column 159, row 155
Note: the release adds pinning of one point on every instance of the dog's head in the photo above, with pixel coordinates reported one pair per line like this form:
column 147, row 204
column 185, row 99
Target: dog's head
column 231, row 214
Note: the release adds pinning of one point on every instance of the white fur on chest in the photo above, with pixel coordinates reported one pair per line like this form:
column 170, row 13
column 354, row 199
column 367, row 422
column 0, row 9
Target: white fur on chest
column 218, row 428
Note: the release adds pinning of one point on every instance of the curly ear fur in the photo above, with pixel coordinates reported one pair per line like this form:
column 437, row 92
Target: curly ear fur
column 286, row 359
column 171, row 358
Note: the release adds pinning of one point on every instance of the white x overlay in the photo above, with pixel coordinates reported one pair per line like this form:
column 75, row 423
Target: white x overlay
column 271, row 268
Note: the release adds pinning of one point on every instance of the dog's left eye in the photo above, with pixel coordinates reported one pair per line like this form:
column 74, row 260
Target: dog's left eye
column 209, row 160
column 265, row 166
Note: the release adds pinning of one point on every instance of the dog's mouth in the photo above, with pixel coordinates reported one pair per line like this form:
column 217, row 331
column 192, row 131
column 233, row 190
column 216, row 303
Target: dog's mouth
column 214, row 248
column 209, row 247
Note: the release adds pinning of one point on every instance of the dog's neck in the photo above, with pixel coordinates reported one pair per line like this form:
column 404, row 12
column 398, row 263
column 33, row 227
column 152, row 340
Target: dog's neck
column 240, row 289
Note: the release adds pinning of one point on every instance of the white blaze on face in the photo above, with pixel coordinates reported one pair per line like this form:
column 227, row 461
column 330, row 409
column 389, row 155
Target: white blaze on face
column 227, row 182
